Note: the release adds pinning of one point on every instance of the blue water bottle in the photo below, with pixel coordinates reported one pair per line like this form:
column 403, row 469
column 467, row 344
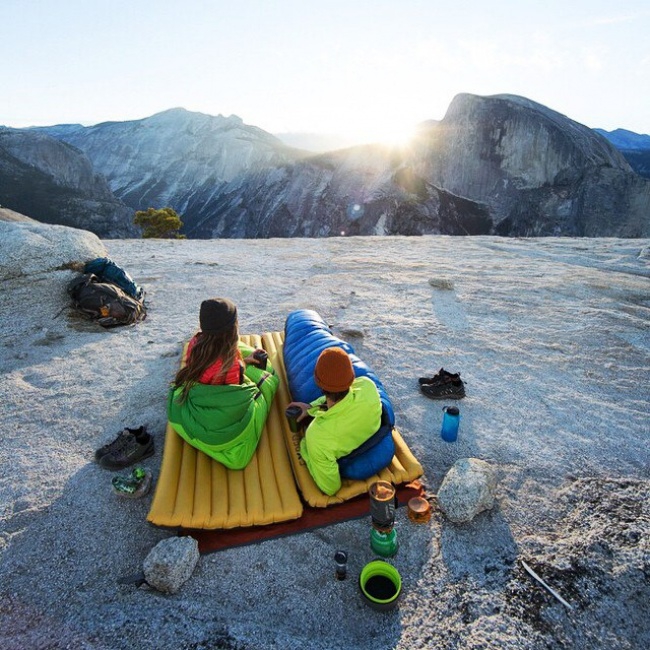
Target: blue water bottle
column 450, row 422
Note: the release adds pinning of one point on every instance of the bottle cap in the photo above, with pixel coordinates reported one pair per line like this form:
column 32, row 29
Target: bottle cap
column 340, row 557
column 452, row 410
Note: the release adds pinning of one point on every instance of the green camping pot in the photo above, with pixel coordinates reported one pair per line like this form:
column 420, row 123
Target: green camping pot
column 381, row 585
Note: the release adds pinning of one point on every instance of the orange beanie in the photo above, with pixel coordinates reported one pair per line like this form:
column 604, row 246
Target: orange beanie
column 334, row 372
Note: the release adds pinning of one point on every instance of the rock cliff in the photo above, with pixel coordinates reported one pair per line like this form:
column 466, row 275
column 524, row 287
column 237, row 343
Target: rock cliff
column 536, row 171
column 56, row 183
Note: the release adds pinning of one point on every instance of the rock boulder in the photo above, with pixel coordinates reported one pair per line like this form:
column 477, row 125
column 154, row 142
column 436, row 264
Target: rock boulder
column 467, row 489
column 170, row 563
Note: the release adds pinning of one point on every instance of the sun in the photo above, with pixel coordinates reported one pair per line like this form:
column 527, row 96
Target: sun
column 393, row 135
column 396, row 135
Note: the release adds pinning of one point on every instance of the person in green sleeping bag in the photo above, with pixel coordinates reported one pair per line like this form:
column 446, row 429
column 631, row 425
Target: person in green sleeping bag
column 345, row 417
column 220, row 398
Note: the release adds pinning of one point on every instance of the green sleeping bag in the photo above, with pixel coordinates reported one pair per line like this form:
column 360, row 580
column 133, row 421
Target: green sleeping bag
column 225, row 422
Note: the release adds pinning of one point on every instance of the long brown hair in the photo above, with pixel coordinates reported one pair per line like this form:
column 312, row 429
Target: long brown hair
column 208, row 348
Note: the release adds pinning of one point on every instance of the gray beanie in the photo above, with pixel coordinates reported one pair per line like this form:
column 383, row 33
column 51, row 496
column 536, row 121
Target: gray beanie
column 217, row 314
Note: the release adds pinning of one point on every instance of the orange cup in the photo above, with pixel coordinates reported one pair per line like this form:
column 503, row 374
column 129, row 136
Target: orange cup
column 419, row 510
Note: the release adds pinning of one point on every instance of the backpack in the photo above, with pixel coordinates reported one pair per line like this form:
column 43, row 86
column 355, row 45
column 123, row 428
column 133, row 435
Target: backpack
column 106, row 303
column 107, row 271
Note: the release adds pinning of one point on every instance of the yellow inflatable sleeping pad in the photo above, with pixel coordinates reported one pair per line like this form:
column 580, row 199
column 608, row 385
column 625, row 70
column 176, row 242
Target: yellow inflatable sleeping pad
column 403, row 468
column 194, row 491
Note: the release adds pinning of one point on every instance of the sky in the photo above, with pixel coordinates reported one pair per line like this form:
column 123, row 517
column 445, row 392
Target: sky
column 371, row 69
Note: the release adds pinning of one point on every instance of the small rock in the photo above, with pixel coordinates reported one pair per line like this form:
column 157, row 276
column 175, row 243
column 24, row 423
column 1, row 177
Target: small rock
column 467, row 489
column 352, row 332
column 170, row 563
column 441, row 283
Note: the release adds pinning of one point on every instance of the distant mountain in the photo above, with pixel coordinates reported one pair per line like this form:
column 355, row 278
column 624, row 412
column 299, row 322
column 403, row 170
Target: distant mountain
column 494, row 165
column 635, row 148
column 535, row 171
column 178, row 158
column 627, row 140
column 53, row 182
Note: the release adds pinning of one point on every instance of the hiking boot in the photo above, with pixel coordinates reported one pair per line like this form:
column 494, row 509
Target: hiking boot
column 134, row 486
column 131, row 451
column 441, row 377
column 120, row 441
column 454, row 389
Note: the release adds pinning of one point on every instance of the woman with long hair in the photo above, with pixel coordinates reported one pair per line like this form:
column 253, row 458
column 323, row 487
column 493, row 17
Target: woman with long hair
column 220, row 398
column 213, row 355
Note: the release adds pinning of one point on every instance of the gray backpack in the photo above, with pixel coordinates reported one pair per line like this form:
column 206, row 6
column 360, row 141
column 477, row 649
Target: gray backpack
column 105, row 302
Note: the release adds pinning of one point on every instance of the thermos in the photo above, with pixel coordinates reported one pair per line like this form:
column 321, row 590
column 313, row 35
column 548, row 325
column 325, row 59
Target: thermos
column 261, row 357
column 450, row 422
column 293, row 413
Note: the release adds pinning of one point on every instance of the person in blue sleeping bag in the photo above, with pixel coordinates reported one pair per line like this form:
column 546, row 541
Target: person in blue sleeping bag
column 346, row 416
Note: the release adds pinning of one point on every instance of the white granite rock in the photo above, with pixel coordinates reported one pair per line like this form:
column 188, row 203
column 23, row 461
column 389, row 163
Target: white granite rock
column 30, row 248
column 170, row 563
column 467, row 489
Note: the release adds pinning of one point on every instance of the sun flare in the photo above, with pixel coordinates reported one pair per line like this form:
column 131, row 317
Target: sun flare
column 395, row 135
column 391, row 135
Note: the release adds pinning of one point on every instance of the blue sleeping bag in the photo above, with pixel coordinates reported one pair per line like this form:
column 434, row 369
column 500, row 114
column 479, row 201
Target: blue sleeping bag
column 108, row 271
column 306, row 335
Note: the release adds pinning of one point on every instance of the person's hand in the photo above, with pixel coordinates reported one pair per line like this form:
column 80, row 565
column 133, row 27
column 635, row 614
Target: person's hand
column 254, row 359
column 304, row 407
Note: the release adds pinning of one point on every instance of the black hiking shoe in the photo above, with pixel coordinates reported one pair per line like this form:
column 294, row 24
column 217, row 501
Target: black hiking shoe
column 122, row 438
column 129, row 452
column 454, row 389
column 441, row 377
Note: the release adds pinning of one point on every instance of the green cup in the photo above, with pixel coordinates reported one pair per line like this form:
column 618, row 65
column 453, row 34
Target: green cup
column 381, row 585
